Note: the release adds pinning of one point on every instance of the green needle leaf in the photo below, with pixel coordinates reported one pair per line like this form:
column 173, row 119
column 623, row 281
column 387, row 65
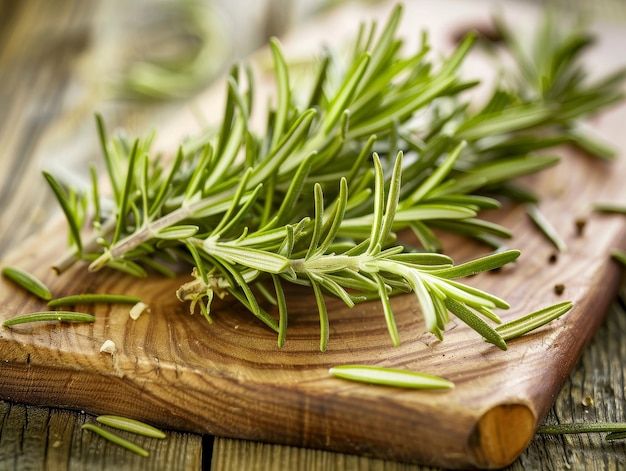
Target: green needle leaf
column 70, row 216
column 122, row 210
column 560, row 429
column 389, row 317
column 522, row 325
column 113, row 438
column 93, row 299
column 390, row 377
column 28, row 281
column 321, row 306
column 489, row 262
column 476, row 323
column 546, row 227
column 44, row 316
column 130, row 425
column 177, row 232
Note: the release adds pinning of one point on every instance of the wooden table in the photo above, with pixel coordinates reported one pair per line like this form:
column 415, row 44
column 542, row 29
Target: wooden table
column 49, row 52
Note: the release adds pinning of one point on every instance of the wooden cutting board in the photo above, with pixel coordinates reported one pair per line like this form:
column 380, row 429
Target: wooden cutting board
column 229, row 378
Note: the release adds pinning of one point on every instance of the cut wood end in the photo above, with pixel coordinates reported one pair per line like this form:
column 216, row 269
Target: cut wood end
column 501, row 435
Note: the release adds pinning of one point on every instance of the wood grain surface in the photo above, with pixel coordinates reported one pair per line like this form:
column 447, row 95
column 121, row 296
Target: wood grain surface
column 173, row 369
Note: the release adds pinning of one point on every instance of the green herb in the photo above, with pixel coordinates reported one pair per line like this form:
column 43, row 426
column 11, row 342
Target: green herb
column 546, row 227
column 57, row 316
column 89, row 298
column 376, row 143
column 559, row 429
column 27, row 281
column 130, row 425
column 549, row 69
column 532, row 321
column 113, row 438
column 390, row 377
column 610, row 208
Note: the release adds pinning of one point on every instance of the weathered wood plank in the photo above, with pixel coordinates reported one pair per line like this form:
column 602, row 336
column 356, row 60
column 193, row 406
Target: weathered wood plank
column 33, row 438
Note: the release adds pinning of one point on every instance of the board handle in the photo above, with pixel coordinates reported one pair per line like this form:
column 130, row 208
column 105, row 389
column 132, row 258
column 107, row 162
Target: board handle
column 501, row 435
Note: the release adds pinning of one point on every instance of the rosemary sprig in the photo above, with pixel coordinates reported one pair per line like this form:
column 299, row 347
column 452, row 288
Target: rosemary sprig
column 321, row 196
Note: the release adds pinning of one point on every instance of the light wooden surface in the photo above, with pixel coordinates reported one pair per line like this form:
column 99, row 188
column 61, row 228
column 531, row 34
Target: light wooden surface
column 42, row 99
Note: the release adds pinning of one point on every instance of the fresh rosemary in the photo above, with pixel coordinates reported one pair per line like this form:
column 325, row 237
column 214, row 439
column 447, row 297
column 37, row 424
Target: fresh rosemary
column 614, row 430
column 28, row 281
column 131, row 425
column 95, row 298
column 390, row 377
column 379, row 144
column 113, row 438
column 54, row 316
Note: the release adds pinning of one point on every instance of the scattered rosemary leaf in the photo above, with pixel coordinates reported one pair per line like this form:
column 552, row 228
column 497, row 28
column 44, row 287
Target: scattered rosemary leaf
column 562, row 429
column 131, row 425
column 610, row 208
column 59, row 316
column 390, row 377
column 89, row 298
column 534, row 320
column 116, row 439
column 545, row 227
column 615, row 435
column 27, row 281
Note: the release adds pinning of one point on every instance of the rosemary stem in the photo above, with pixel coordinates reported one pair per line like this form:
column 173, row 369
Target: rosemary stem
column 70, row 257
column 149, row 230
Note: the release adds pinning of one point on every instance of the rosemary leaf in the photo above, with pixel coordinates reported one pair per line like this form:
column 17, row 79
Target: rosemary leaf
column 27, row 281
column 130, row 425
column 89, row 298
column 534, row 320
column 560, row 429
column 390, row 377
column 113, row 438
column 489, row 262
column 70, row 215
column 56, row 316
column 546, row 227
column 610, row 208
column 462, row 312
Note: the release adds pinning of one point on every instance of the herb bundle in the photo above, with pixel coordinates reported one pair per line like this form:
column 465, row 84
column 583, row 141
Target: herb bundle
column 379, row 143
